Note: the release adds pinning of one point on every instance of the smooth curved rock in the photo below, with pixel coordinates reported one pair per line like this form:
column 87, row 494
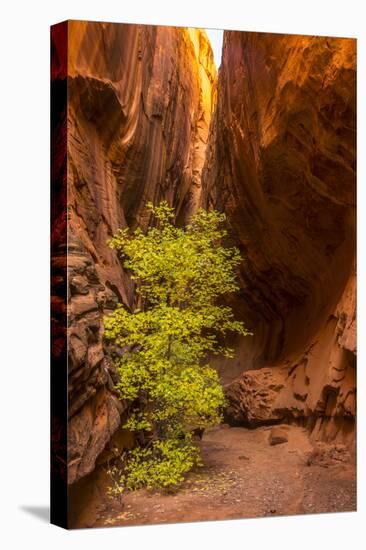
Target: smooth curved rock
column 278, row 157
column 281, row 165
column 139, row 107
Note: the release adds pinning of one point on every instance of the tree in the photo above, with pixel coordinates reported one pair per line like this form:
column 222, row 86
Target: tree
column 179, row 274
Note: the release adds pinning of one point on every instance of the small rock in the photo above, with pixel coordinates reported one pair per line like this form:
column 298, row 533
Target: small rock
column 278, row 435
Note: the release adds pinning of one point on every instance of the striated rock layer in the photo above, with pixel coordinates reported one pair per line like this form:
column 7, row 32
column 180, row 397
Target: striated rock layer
column 139, row 108
column 281, row 164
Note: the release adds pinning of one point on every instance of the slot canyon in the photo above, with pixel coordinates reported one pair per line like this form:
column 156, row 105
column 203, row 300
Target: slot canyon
column 268, row 138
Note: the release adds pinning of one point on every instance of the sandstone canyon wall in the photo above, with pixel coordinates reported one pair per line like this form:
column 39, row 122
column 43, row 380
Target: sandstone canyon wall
column 281, row 164
column 139, row 106
column 277, row 155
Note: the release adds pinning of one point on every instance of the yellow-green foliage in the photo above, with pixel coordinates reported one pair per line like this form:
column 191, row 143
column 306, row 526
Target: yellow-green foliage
column 179, row 274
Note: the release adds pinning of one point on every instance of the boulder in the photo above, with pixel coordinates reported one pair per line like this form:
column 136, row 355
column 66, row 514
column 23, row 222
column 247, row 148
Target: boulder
column 278, row 435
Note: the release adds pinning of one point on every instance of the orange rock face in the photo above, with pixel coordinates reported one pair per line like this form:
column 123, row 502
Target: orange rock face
column 271, row 143
column 281, row 164
column 139, row 107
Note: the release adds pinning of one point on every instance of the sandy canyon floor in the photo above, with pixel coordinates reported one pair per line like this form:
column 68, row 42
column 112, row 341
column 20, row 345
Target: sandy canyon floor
column 243, row 477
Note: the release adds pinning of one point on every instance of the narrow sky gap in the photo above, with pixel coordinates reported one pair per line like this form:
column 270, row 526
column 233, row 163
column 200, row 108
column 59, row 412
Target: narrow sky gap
column 216, row 37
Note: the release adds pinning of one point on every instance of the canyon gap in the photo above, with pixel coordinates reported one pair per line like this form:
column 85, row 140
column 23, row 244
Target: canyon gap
column 279, row 161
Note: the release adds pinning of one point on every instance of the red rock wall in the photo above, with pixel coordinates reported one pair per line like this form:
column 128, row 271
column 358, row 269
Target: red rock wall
column 281, row 164
column 139, row 108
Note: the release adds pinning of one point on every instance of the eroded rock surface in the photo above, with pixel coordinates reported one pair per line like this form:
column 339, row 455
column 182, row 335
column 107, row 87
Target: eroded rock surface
column 281, row 164
column 318, row 389
column 139, row 108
